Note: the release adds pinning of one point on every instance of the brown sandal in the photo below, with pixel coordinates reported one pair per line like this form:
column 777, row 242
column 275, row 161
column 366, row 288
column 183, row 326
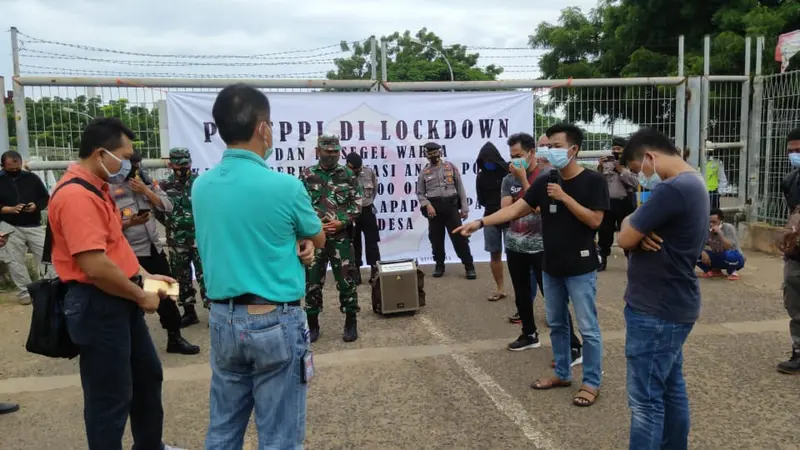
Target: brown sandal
column 543, row 384
column 586, row 396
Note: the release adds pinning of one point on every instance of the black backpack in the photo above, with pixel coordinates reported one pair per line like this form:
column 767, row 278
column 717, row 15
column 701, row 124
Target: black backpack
column 48, row 335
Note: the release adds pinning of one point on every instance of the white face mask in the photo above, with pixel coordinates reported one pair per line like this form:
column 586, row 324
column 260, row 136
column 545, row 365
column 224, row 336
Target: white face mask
column 268, row 150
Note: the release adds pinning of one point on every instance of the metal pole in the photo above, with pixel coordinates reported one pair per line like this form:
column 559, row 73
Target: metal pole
column 194, row 82
column 20, row 113
column 163, row 128
column 743, row 126
column 373, row 62
column 755, row 143
column 384, row 56
column 680, row 100
column 705, row 103
column 5, row 145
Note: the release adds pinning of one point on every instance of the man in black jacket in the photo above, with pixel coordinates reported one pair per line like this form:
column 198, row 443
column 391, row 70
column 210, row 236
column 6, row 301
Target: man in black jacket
column 492, row 168
column 791, row 265
column 23, row 197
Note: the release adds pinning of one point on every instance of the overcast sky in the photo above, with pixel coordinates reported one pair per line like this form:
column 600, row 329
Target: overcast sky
column 246, row 27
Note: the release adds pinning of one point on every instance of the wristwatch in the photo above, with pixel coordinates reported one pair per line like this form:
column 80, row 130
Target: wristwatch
column 480, row 221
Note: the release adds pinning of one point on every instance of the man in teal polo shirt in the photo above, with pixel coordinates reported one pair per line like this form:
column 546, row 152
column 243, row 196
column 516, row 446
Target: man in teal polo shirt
column 251, row 224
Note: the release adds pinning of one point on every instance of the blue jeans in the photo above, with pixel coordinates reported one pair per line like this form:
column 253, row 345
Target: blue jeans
column 582, row 289
column 257, row 361
column 730, row 260
column 656, row 388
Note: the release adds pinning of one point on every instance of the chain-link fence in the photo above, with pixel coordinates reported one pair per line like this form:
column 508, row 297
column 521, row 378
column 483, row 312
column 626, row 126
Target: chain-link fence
column 780, row 114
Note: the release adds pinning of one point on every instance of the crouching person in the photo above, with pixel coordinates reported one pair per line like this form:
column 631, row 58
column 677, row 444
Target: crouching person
column 722, row 249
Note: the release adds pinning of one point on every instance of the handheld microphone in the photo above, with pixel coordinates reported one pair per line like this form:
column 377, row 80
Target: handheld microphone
column 554, row 178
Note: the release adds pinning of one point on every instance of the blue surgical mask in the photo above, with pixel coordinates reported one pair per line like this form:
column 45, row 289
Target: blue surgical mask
column 559, row 157
column 268, row 152
column 794, row 159
column 521, row 162
column 649, row 182
column 543, row 152
column 122, row 174
column 489, row 165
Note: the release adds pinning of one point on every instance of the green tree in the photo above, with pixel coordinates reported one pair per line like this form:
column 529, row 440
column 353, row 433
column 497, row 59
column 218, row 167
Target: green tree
column 55, row 124
column 410, row 61
column 638, row 38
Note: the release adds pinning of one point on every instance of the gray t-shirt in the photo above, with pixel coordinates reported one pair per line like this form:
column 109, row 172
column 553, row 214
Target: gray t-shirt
column 715, row 243
column 523, row 235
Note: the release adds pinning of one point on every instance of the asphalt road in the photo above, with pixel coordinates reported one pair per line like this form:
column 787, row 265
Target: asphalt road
column 442, row 379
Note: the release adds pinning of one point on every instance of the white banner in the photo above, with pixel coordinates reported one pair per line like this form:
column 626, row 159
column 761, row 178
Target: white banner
column 387, row 130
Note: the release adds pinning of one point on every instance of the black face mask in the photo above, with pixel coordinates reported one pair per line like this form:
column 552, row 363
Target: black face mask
column 434, row 159
column 14, row 173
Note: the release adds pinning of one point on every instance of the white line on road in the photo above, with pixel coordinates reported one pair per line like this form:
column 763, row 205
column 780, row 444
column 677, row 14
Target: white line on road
column 502, row 400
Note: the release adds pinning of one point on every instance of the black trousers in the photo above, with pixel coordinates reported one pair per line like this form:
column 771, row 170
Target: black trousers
column 121, row 374
column 521, row 266
column 447, row 219
column 713, row 198
column 367, row 224
column 612, row 221
column 168, row 313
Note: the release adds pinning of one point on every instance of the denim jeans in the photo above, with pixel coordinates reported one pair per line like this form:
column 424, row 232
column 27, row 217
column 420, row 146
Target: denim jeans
column 656, row 388
column 257, row 362
column 582, row 289
column 121, row 374
column 730, row 260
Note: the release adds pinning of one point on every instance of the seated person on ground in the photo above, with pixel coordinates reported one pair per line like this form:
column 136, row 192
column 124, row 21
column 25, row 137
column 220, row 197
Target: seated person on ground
column 722, row 249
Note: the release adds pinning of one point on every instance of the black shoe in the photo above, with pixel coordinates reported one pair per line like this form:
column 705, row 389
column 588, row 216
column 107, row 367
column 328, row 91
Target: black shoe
column 792, row 366
column 373, row 274
column 514, row 318
column 603, row 264
column 189, row 316
column 471, row 275
column 357, row 277
column 177, row 344
column 525, row 342
column 313, row 328
column 438, row 272
column 350, row 328
column 6, row 408
column 577, row 358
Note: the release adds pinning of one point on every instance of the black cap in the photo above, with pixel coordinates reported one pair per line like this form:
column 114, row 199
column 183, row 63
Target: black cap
column 619, row 142
column 432, row 147
column 355, row 161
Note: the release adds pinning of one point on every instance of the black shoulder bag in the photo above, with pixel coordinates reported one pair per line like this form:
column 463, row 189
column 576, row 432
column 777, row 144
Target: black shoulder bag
column 48, row 335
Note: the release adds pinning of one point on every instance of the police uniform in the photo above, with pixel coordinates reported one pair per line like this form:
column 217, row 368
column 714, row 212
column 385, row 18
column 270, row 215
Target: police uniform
column 440, row 186
column 335, row 196
column 366, row 222
column 179, row 225
column 146, row 244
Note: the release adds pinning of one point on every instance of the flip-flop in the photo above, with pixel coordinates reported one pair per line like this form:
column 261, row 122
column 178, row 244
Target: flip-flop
column 497, row 297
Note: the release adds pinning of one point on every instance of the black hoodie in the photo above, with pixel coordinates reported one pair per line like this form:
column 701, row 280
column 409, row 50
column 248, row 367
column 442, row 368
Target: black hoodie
column 488, row 182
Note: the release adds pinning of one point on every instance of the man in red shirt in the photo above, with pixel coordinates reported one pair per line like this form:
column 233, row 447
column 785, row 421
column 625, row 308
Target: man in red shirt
column 120, row 370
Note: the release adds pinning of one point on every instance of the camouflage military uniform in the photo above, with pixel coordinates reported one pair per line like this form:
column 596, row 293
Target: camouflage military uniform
column 180, row 233
column 335, row 195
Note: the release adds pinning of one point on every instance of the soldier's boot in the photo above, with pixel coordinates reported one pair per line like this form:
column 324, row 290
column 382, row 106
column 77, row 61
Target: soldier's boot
column 356, row 275
column 603, row 264
column 313, row 328
column 470, row 270
column 438, row 272
column 350, row 328
column 373, row 274
column 189, row 316
column 177, row 344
